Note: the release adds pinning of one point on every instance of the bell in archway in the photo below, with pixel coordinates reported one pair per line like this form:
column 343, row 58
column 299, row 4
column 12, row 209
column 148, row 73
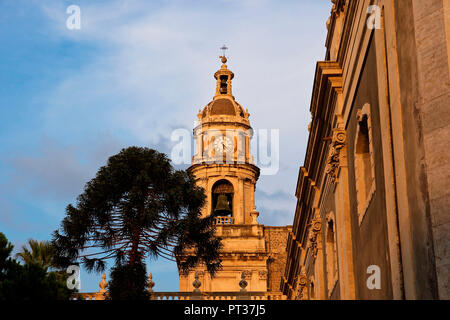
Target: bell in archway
column 222, row 206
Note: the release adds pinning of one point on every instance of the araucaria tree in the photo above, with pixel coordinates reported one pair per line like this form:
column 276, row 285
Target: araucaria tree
column 137, row 206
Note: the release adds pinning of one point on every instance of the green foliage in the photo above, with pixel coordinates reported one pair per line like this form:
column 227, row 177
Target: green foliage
column 39, row 252
column 5, row 250
column 138, row 206
column 30, row 281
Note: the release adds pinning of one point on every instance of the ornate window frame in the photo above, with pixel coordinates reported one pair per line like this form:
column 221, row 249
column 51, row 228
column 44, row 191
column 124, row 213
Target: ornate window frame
column 365, row 185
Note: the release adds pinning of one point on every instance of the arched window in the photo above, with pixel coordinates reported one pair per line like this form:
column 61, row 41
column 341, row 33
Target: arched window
column 331, row 253
column 222, row 198
column 364, row 161
column 312, row 289
column 223, row 84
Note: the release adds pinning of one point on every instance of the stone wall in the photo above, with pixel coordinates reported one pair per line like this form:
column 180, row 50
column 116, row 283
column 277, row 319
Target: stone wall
column 432, row 39
column 401, row 70
column 276, row 239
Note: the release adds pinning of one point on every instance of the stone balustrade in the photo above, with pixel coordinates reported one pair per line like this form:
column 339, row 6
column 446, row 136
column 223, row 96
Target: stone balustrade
column 196, row 294
column 217, row 296
column 211, row 296
column 224, row 220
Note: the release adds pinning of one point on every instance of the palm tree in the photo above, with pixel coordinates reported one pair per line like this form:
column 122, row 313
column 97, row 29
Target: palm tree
column 39, row 252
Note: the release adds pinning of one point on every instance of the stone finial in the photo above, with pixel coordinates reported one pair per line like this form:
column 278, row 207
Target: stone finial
column 196, row 283
column 103, row 284
column 243, row 283
column 254, row 214
column 150, row 283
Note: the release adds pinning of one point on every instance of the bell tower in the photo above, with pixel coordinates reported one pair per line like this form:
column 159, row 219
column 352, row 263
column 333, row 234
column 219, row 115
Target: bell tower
column 223, row 166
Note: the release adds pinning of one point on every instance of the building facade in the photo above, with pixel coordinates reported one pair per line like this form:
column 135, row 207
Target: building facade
column 224, row 167
column 373, row 214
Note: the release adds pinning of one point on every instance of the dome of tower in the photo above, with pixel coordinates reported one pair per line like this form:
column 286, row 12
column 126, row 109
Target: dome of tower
column 222, row 107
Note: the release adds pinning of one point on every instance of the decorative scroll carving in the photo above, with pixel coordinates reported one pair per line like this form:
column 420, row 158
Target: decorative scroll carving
column 338, row 142
column 316, row 227
column 302, row 281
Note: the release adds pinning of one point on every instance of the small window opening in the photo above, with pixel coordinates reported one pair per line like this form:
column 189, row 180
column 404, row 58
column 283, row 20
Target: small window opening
column 223, row 84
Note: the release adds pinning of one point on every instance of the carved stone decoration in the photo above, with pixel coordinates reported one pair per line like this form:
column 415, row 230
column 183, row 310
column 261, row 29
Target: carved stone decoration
column 247, row 274
column 338, row 7
column 337, row 143
column 302, row 281
column 316, row 226
column 262, row 275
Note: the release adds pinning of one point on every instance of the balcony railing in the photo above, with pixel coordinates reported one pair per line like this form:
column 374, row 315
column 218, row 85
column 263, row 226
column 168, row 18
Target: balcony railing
column 224, row 220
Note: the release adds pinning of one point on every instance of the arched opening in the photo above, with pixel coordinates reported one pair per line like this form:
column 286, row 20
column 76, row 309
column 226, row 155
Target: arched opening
column 331, row 256
column 222, row 198
column 363, row 165
column 312, row 290
column 364, row 162
column 223, row 84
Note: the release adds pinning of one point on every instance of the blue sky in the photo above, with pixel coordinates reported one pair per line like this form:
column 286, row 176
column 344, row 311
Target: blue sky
column 134, row 72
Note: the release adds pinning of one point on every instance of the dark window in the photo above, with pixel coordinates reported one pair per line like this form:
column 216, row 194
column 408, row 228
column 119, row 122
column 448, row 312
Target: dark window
column 223, row 84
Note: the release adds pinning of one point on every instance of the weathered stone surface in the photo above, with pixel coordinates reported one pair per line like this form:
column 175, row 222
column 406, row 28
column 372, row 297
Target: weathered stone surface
column 441, row 209
column 436, row 114
column 444, row 286
column 276, row 239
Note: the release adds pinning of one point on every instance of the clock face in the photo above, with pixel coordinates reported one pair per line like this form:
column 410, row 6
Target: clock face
column 222, row 144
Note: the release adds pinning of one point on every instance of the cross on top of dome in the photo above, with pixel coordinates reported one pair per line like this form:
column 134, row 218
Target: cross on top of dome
column 223, row 57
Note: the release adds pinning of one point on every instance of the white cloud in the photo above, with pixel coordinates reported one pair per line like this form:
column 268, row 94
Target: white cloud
column 154, row 67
